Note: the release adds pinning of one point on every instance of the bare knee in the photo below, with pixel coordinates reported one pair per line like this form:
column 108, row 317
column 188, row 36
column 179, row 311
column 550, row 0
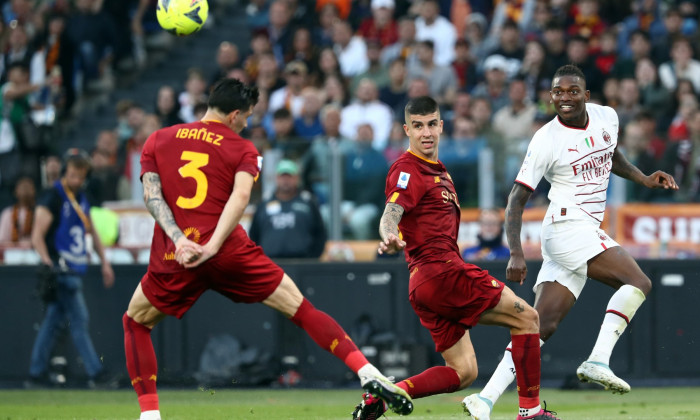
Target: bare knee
column 467, row 376
column 528, row 322
column 548, row 326
column 644, row 284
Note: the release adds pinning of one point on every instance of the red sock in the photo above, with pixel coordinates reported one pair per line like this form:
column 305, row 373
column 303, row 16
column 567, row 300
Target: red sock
column 436, row 380
column 141, row 362
column 330, row 336
column 526, row 358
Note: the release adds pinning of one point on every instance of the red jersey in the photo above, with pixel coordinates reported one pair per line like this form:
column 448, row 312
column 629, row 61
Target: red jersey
column 197, row 163
column 430, row 222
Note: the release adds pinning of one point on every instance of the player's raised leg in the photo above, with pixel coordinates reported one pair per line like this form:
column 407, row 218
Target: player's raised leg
column 141, row 363
column 523, row 321
column 553, row 302
column 331, row 337
column 618, row 269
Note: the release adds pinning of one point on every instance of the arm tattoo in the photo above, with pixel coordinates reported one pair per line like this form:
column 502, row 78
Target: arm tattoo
column 514, row 216
column 389, row 222
column 518, row 307
column 156, row 205
column 624, row 169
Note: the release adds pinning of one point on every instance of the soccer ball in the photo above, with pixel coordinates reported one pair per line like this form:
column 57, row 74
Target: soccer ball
column 182, row 17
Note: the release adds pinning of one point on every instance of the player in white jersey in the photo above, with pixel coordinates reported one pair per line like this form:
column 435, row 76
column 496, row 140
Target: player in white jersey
column 575, row 152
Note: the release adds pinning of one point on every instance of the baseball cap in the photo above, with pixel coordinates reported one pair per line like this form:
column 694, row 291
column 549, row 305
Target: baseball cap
column 296, row 66
column 376, row 4
column 496, row 62
column 287, row 167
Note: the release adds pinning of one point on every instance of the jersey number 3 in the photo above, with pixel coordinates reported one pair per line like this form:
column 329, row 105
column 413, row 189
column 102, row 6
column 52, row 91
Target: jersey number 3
column 191, row 169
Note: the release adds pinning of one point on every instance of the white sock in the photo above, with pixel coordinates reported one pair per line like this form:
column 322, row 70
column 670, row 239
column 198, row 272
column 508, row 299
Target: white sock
column 368, row 372
column 621, row 308
column 150, row 415
column 503, row 376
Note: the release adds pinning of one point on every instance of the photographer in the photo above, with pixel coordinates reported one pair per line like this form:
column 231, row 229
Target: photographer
column 61, row 224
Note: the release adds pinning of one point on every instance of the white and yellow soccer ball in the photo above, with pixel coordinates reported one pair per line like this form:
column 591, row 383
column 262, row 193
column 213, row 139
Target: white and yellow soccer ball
column 182, row 17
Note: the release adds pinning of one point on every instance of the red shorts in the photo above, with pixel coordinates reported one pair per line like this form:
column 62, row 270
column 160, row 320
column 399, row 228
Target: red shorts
column 242, row 273
column 451, row 297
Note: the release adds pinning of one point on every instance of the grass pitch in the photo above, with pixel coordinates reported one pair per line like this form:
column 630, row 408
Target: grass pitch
column 640, row 404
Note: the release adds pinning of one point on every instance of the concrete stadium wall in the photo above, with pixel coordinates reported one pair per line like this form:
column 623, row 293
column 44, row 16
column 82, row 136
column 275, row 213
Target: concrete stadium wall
column 661, row 343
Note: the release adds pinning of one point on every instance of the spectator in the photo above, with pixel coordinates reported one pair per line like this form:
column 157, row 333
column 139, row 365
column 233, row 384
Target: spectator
column 682, row 160
column 363, row 186
column 645, row 17
column 555, row 44
column 416, row 87
column 62, row 221
column 494, row 87
column 323, row 33
column 17, row 220
column 227, row 58
column 381, row 26
column 328, row 66
column 167, row 106
column 284, row 137
column 534, row 70
column 18, row 50
column 442, row 81
column 510, row 46
column 304, row 50
column 518, row 12
column 403, row 48
column 59, row 56
column 259, row 46
column 398, row 143
column 475, row 33
column 129, row 186
column 194, row 93
column 541, row 15
column 336, row 91
column 52, row 171
column 104, row 175
column 628, row 101
column 375, row 71
column 267, row 79
column 460, row 155
column 671, row 29
column 490, row 239
column 308, row 124
column 687, row 103
column 460, row 108
column 367, row 109
column 585, row 21
column 463, row 66
column 606, row 58
column 639, row 45
column 280, row 30
column 577, row 53
column 647, row 121
column 318, row 160
column 394, row 92
column 430, row 25
column 289, row 224
column 95, row 36
column 681, row 66
column 636, row 144
column 513, row 121
column 653, row 96
column 350, row 50
column 289, row 96
column 257, row 14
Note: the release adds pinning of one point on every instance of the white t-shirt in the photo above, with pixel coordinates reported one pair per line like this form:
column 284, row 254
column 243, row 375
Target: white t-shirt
column 576, row 161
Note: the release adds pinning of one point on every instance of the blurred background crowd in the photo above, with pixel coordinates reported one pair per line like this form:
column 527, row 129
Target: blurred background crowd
column 334, row 77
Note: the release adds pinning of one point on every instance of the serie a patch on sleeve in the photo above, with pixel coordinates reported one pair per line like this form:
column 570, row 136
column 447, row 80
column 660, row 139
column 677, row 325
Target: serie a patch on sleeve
column 403, row 180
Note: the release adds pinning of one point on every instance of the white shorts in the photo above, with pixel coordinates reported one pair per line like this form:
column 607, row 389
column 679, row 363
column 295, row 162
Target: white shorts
column 567, row 246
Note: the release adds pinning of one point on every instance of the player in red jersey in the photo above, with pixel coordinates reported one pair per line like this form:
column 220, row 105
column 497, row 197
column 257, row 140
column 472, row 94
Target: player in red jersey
column 197, row 181
column 449, row 296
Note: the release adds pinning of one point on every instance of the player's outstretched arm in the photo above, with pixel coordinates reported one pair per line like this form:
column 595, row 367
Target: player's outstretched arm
column 517, row 269
column 159, row 209
column 230, row 216
column 389, row 229
column 625, row 169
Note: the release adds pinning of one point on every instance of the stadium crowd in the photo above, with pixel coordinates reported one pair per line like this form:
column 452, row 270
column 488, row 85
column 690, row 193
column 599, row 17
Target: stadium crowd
column 335, row 76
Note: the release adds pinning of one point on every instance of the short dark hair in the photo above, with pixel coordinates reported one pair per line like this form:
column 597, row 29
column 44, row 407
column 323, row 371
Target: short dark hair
column 569, row 70
column 229, row 95
column 422, row 105
column 76, row 158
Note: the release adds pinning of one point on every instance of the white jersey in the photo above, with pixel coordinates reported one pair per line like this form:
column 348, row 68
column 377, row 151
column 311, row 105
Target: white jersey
column 576, row 161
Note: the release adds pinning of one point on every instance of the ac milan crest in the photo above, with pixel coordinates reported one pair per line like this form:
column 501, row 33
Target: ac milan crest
column 607, row 137
column 602, row 237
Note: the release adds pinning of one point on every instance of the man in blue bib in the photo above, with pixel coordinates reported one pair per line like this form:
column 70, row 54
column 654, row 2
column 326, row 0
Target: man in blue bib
column 62, row 222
